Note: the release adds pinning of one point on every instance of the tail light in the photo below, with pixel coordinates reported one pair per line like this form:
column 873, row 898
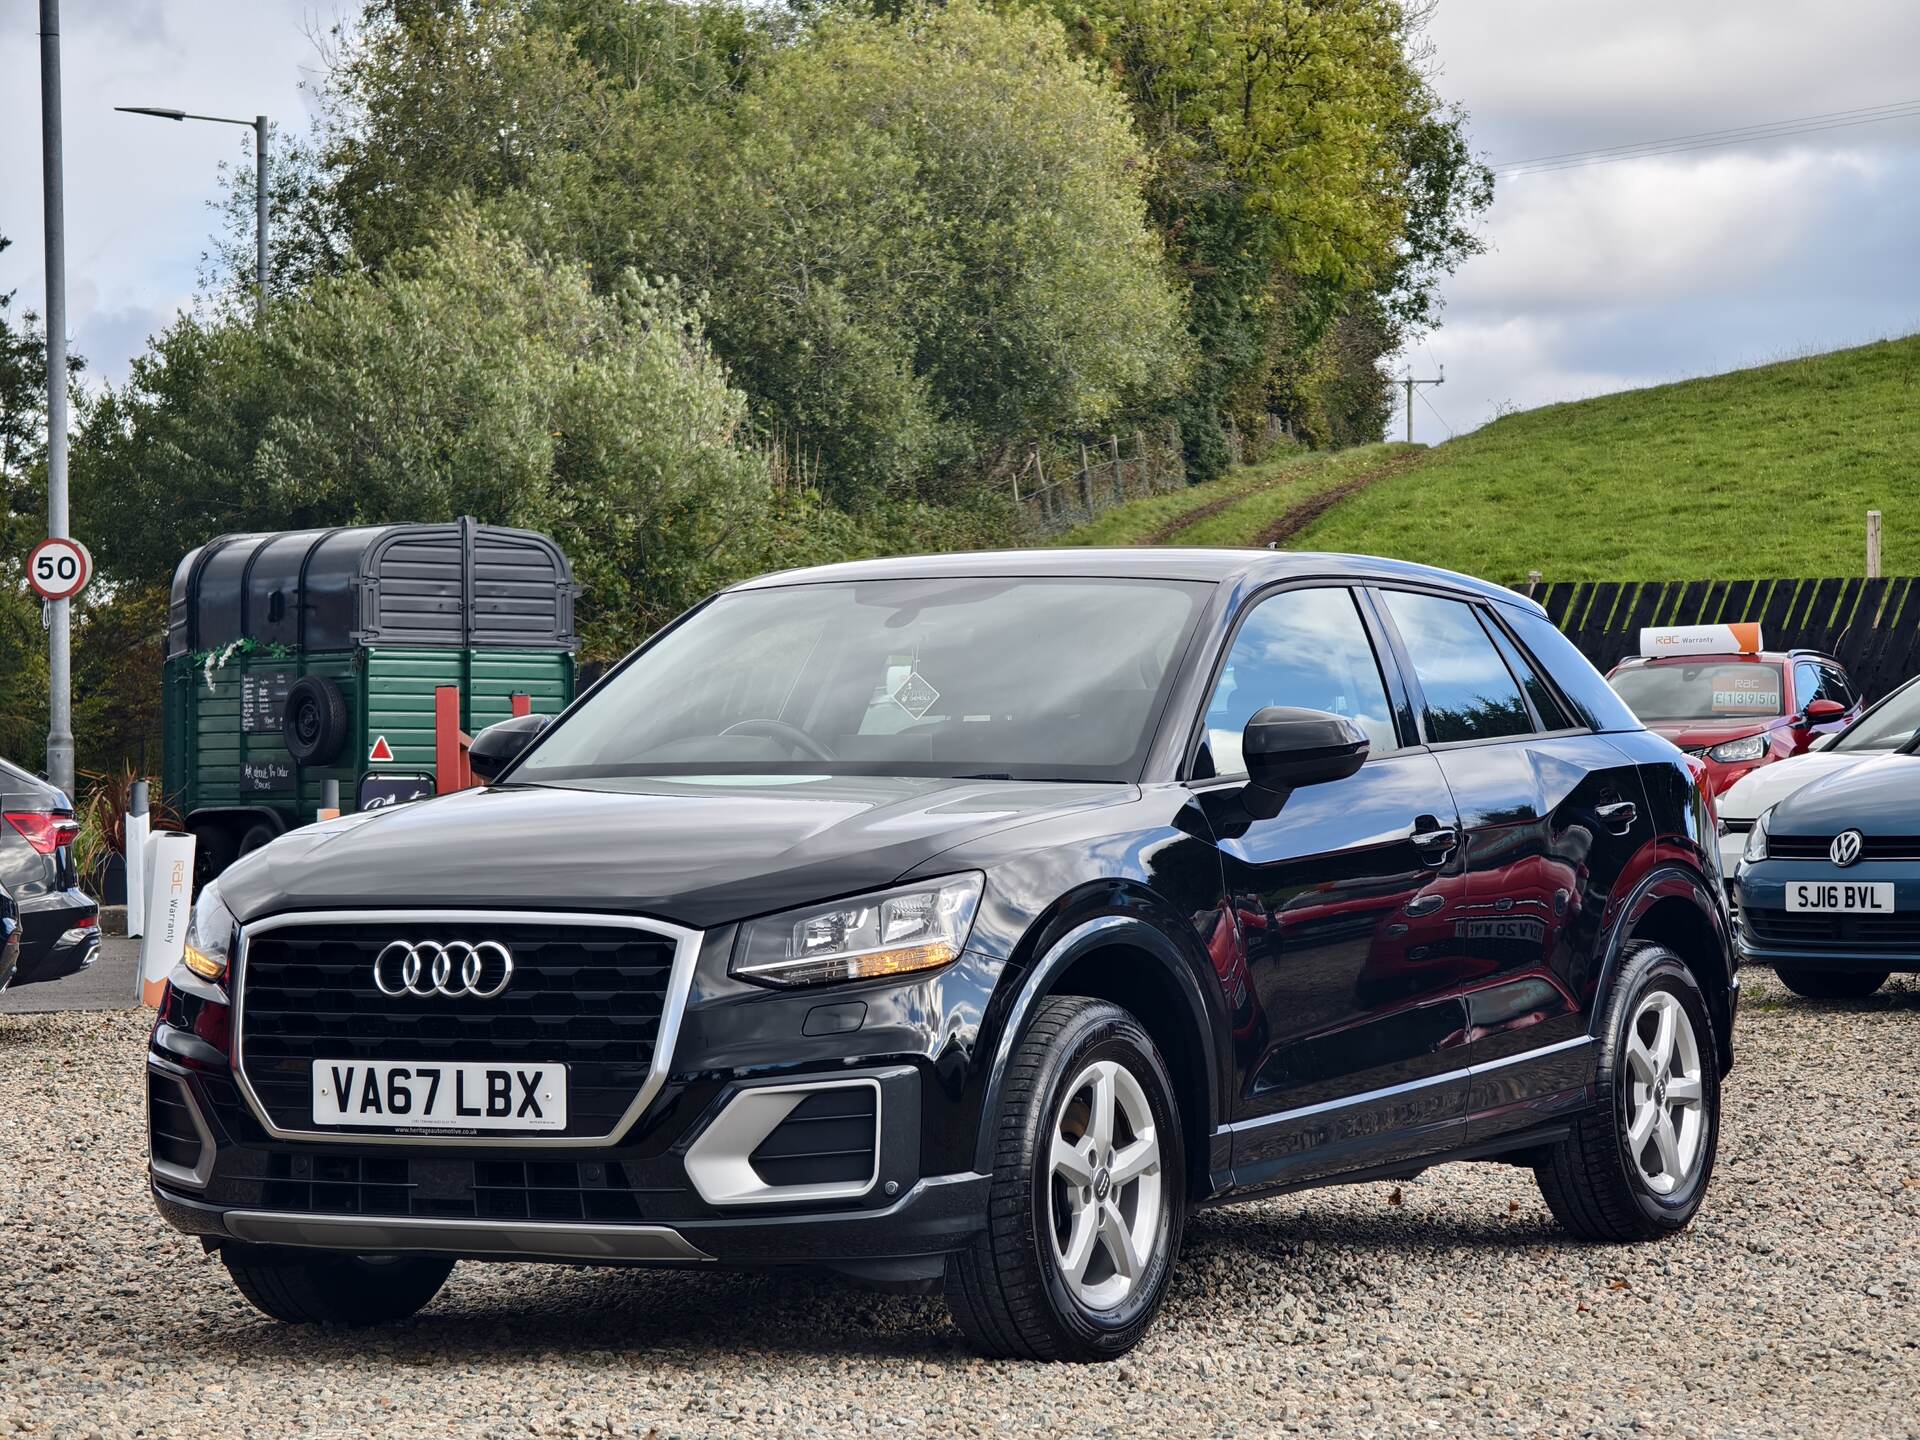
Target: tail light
column 43, row 831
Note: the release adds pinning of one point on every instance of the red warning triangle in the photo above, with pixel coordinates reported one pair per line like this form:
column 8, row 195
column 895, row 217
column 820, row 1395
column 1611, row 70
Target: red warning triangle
column 381, row 750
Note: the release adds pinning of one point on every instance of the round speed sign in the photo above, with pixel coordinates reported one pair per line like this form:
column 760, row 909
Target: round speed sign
column 59, row 569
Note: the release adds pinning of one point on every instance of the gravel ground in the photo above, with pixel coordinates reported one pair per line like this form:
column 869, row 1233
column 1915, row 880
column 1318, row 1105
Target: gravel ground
column 1446, row 1306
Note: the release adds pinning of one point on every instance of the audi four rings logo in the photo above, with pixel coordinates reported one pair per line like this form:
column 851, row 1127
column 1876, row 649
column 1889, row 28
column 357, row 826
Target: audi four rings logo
column 1845, row 848
column 427, row 968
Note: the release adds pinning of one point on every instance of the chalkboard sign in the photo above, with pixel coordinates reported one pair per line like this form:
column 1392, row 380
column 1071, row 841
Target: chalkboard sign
column 266, row 777
column 263, row 700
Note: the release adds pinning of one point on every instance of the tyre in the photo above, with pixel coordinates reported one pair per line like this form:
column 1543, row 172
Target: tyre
column 258, row 834
column 1831, row 984
column 303, row 1287
column 314, row 724
column 1089, row 1194
column 1636, row 1165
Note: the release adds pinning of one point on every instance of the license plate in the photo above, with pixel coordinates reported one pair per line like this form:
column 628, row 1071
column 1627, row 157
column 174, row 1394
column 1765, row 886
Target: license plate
column 431, row 1096
column 1525, row 929
column 1844, row 897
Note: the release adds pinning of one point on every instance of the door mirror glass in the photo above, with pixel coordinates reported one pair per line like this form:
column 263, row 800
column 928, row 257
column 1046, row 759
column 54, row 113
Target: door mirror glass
column 1819, row 712
column 498, row 746
column 1286, row 748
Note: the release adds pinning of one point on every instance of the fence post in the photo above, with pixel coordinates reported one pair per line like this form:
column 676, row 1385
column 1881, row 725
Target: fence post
column 1533, row 582
column 1873, row 544
column 1119, row 480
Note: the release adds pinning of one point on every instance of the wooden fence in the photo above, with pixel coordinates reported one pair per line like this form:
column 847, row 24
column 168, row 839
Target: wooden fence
column 1872, row 626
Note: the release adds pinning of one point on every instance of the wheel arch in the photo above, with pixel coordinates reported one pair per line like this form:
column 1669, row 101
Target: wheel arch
column 1675, row 907
column 1134, row 964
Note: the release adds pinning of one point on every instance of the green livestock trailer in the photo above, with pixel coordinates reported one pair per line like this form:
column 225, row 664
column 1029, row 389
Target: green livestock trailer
column 313, row 655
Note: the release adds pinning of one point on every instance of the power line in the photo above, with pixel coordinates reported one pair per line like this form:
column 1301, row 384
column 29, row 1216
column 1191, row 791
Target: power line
column 1710, row 134
column 1437, row 415
column 1580, row 160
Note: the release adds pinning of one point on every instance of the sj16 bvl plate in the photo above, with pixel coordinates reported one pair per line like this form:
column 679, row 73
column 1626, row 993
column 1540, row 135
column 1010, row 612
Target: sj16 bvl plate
column 1840, row 897
column 430, row 1095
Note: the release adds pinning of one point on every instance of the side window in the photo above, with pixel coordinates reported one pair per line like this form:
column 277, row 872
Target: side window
column 1835, row 685
column 1307, row 648
column 1807, row 686
column 1545, row 704
column 1470, row 693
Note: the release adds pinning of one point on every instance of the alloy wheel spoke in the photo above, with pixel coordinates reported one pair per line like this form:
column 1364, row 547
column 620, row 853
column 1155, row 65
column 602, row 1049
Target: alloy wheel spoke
column 1667, row 1143
column 1663, row 1039
column 1069, row 1163
column 1081, row 1238
column 1640, row 1059
column 1113, row 1228
column 1100, row 1121
column 1684, row 1090
column 1142, row 1157
column 1641, row 1130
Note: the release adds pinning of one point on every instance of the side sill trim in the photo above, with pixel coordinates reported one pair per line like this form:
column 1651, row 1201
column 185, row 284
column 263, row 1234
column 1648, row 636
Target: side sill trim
column 507, row 1241
column 1387, row 1092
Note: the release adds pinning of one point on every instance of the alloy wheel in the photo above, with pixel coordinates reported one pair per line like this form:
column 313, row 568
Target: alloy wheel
column 1104, row 1185
column 1666, row 1116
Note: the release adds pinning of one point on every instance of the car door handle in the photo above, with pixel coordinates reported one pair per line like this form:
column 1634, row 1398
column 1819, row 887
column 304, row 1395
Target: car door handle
column 1433, row 840
column 1619, row 816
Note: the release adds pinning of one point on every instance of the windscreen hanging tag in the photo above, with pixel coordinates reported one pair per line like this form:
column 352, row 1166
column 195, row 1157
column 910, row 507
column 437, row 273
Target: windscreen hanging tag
column 1740, row 639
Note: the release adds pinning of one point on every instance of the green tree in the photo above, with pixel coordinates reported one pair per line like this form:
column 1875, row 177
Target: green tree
column 467, row 377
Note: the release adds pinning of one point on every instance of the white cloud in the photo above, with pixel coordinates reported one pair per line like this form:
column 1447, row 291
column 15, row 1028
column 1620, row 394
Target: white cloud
column 1656, row 229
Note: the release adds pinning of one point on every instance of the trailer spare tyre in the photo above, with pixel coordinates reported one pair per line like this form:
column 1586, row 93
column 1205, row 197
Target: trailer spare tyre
column 315, row 723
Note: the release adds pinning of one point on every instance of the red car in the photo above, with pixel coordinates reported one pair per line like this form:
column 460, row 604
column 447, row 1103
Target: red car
column 1738, row 711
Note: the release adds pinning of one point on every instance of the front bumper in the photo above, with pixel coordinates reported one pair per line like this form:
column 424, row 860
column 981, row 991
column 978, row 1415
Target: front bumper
column 1766, row 936
column 939, row 1214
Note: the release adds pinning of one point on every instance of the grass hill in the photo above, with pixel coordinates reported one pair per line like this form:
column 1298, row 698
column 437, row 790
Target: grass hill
column 1763, row 472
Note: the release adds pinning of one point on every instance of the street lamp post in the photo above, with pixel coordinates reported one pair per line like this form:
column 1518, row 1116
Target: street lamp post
column 59, row 612
column 259, row 127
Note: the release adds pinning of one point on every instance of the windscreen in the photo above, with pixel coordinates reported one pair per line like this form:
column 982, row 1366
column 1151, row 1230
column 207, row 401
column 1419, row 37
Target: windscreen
column 1021, row 678
column 1888, row 726
column 1724, row 691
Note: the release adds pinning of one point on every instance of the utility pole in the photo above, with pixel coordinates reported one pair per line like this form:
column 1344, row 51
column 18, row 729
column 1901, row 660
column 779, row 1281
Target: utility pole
column 261, row 272
column 1409, row 382
column 59, row 612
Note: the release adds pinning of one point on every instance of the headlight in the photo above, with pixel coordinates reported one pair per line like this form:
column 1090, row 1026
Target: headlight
column 1733, row 752
column 895, row 932
column 209, row 934
column 1757, row 840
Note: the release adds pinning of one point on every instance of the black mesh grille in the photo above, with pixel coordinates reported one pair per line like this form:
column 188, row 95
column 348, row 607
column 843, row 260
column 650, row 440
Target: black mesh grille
column 1813, row 930
column 1817, row 847
column 828, row 1139
column 334, row 1184
column 589, row 997
column 170, row 1128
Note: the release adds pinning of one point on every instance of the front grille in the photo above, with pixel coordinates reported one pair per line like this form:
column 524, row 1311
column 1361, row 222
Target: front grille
column 827, row 1139
column 1815, row 930
column 324, row 1183
column 588, row 996
column 173, row 1138
column 1815, row 847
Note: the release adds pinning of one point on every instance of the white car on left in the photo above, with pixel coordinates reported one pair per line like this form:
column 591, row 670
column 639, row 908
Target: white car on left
column 1892, row 724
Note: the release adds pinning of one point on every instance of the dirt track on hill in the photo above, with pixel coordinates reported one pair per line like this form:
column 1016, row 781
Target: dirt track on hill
column 1311, row 509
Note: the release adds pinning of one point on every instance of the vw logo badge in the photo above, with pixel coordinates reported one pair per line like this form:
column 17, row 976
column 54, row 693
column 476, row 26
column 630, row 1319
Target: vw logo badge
column 1845, row 848
column 427, row 968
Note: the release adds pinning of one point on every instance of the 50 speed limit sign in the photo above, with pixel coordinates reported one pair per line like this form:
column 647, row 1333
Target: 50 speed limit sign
column 59, row 569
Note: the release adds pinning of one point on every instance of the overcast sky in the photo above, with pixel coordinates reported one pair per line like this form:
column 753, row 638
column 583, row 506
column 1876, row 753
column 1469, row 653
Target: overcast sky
column 1597, row 279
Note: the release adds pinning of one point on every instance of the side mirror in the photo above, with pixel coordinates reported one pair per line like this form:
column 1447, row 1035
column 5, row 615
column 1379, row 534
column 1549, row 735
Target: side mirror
column 1285, row 748
column 1819, row 712
column 1822, row 742
column 498, row 746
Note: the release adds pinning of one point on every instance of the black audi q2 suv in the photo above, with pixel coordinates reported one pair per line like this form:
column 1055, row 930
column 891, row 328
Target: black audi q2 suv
column 966, row 921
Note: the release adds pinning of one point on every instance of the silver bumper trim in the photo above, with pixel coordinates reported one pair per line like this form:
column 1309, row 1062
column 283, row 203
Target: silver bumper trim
column 505, row 1240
